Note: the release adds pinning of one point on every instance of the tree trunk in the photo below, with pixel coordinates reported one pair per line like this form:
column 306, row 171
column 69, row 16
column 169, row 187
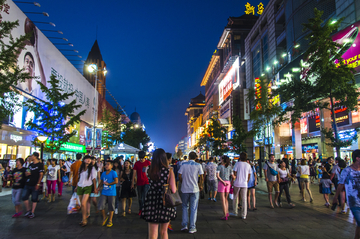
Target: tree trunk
column 335, row 126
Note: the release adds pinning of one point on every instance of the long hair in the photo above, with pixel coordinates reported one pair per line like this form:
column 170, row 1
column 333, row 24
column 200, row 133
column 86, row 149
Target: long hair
column 82, row 167
column 123, row 167
column 158, row 160
column 95, row 164
column 226, row 160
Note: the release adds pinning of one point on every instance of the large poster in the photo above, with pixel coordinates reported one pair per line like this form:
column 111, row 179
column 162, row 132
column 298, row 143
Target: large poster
column 88, row 138
column 98, row 138
column 40, row 58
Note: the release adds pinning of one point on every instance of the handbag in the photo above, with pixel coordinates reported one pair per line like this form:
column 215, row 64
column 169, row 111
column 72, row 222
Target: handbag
column 133, row 193
column 272, row 171
column 170, row 199
column 65, row 179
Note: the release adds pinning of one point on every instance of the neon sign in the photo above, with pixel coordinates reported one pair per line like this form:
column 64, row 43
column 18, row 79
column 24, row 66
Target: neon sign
column 249, row 9
column 230, row 82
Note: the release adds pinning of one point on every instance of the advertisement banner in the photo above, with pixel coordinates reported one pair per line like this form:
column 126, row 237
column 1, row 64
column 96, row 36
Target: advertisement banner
column 88, row 138
column 246, row 105
column 350, row 40
column 40, row 58
column 225, row 110
column 230, row 82
column 98, row 134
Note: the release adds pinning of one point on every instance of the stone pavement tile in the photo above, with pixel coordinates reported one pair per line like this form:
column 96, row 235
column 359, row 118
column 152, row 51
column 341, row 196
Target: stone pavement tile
column 220, row 230
column 262, row 236
column 212, row 236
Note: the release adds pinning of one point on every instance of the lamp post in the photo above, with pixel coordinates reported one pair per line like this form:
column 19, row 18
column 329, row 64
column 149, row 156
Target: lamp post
column 94, row 69
column 42, row 140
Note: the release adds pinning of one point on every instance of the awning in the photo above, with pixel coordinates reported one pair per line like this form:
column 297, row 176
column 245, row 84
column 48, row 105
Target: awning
column 124, row 149
column 224, row 121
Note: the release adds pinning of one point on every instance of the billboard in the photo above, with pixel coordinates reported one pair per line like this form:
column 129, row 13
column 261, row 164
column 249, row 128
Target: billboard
column 350, row 40
column 40, row 58
column 230, row 82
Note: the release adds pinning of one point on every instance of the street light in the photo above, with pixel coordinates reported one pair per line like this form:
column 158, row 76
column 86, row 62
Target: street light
column 42, row 140
column 92, row 68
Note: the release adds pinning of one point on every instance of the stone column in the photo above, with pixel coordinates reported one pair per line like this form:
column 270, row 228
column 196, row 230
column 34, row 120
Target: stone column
column 296, row 141
column 277, row 141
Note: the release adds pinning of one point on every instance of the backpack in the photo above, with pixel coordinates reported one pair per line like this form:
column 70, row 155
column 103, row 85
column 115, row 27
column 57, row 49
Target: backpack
column 272, row 171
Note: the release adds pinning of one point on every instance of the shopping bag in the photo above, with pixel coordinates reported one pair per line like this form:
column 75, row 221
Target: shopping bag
column 65, row 179
column 74, row 204
column 231, row 193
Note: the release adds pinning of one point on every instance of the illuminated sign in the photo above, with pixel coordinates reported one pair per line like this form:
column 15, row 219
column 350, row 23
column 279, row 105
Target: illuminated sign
column 16, row 138
column 341, row 117
column 303, row 126
column 249, row 9
column 349, row 39
column 347, row 134
column 246, row 105
column 225, row 110
column 230, row 82
column 73, row 147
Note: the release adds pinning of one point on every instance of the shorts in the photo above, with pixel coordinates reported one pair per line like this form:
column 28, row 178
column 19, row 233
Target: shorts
column 30, row 190
column 356, row 213
column 110, row 200
column 253, row 187
column 16, row 196
column 325, row 190
column 212, row 185
column 84, row 190
column 271, row 185
column 222, row 188
column 304, row 180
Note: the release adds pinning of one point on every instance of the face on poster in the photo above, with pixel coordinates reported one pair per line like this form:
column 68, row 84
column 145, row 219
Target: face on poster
column 41, row 59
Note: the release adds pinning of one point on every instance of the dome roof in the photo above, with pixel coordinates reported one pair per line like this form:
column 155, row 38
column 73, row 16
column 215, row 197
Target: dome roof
column 134, row 117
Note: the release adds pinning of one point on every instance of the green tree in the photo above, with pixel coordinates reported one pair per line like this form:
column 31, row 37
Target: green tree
column 179, row 153
column 217, row 138
column 135, row 136
column 334, row 84
column 112, row 127
column 53, row 117
column 10, row 73
column 240, row 135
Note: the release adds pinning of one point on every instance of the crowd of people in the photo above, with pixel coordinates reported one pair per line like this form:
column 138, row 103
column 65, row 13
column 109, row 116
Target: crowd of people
column 111, row 183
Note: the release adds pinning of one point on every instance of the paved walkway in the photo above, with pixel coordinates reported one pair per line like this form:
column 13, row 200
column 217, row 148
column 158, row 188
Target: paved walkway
column 304, row 221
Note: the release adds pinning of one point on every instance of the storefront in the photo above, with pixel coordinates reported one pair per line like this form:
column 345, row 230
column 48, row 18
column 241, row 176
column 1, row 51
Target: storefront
column 67, row 150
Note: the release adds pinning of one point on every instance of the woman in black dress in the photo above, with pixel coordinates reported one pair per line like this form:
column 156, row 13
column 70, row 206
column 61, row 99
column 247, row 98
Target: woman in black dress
column 126, row 191
column 154, row 212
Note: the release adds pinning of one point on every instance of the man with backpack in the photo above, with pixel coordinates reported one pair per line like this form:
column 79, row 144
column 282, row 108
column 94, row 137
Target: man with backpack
column 272, row 179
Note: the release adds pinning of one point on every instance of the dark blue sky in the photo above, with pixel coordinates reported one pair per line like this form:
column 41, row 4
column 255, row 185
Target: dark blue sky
column 156, row 51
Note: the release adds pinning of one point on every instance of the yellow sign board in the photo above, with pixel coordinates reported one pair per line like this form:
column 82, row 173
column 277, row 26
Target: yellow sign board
column 251, row 9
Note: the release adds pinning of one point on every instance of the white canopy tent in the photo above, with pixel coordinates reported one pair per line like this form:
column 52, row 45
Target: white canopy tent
column 124, row 149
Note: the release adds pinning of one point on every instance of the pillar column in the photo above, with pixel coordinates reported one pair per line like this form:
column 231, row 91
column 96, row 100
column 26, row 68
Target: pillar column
column 296, row 140
column 277, row 141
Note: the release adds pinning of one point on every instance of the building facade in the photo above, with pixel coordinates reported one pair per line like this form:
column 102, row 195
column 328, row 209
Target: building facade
column 194, row 114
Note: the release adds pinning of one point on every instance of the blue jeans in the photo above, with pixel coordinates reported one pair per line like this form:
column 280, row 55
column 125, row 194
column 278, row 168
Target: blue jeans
column 142, row 191
column 189, row 200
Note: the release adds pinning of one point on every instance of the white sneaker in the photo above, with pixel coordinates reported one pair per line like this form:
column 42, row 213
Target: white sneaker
column 116, row 211
column 192, row 230
column 184, row 229
column 243, row 218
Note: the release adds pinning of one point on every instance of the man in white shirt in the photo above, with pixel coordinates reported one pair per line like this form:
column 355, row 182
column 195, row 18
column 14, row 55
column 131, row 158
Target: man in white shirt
column 242, row 171
column 190, row 187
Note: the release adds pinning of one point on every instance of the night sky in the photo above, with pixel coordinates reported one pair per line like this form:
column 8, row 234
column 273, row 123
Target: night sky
column 156, row 51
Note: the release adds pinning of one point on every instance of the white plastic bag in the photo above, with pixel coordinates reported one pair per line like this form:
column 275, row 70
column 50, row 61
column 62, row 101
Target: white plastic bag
column 74, row 204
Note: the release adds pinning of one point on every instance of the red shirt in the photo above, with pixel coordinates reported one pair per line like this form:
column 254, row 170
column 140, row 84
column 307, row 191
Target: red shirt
column 140, row 168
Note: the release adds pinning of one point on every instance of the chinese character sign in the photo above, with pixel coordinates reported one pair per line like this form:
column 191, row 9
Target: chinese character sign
column 249, row 9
